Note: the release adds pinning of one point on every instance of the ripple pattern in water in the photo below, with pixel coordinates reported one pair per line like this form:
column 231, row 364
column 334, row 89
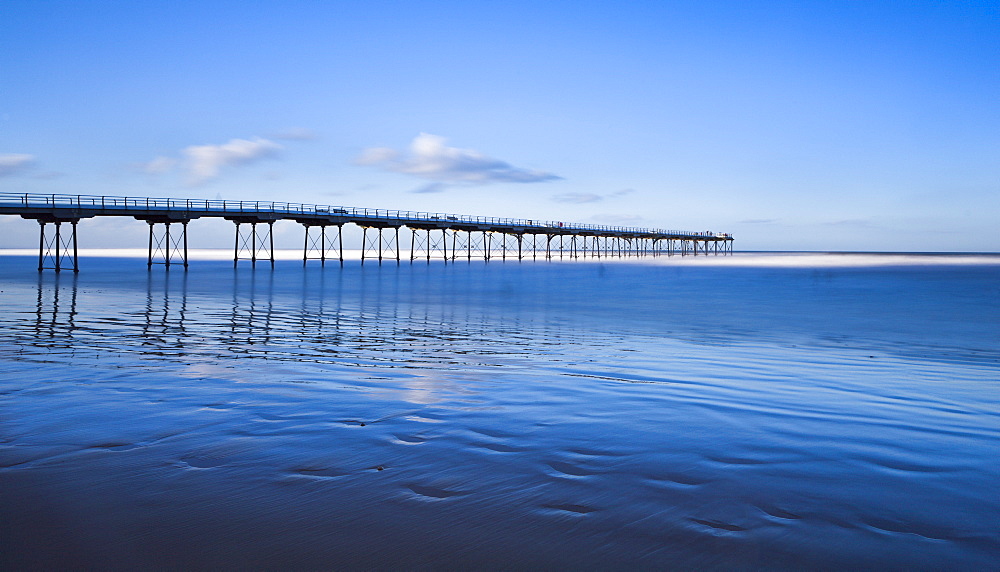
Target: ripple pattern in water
column 499, row 416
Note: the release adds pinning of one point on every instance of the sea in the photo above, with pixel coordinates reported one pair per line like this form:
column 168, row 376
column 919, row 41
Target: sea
column 754, row 411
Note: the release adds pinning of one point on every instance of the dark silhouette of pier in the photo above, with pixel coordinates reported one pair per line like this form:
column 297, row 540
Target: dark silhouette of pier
column 440, row 236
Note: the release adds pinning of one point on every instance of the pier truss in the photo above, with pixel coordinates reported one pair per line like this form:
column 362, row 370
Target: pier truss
column 253, row 243
column 380, row 242
column 166, row 248
column 321, row 243
column 428, row 243
column 428, row 236
column 58, row 249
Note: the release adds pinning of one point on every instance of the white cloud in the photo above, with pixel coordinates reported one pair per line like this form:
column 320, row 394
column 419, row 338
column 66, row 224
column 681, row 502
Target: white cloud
column 159, row 165
column 430, row 158
column 577, row 198
column 11, row 163
column 204, row 162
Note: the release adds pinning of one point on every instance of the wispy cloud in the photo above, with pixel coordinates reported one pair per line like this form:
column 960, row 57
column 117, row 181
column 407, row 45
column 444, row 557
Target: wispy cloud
column 850, row 222
column 204, row 162
column 577, row 198
column 580, row 198
column 758, row 221
column 431, row 188
column 159, row 165
column 12, row 163
column 430, row 158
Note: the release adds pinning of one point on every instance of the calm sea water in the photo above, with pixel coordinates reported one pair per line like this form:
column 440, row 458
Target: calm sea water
column 809, row 413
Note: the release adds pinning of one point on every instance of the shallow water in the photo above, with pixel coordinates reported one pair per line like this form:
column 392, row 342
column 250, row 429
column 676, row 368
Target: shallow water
column 657, row 414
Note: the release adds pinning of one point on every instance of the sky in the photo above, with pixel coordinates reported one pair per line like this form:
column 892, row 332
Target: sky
column 793, row 125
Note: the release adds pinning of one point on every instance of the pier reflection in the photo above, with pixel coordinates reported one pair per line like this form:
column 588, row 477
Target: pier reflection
column 163, row 329
column 375, row 319
column 249, row 323
column 55, row 310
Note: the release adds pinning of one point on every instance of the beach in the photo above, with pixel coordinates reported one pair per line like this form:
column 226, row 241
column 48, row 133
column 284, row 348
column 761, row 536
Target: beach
column 781, row 411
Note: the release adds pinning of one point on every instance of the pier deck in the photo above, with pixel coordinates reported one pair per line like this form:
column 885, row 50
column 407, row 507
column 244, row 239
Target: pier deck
column 430, row 232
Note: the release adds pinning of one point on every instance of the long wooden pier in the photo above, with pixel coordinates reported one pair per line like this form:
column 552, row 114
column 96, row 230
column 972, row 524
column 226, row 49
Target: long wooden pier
column 442, row 236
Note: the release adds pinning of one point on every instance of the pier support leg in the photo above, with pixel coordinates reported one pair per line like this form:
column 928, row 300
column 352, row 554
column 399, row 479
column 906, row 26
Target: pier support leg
column 252, row 244
column 41, row 246
column 236, row 248
column 165, row 248
column 372, row 244
column 54, row 250
column 149, row 252
column 270, row 238
column 76, row 258
column 396, row 244
column 364, row 243
column 322, row 247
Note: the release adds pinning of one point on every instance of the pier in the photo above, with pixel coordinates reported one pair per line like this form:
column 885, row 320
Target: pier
column 432, row 236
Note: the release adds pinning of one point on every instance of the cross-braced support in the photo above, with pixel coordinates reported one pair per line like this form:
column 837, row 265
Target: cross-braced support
column 323, row 244
column 253, row 244
column 57, row 251
column 459, row 244
column 427, row 242
column 166, row 248
column 381, row 242
column 479, row 243
column 506, row 244
column 487, row 245
column 535, row 247
column 594, row 246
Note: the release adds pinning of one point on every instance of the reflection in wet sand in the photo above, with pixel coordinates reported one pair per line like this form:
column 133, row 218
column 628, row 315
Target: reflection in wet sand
column 402, row 417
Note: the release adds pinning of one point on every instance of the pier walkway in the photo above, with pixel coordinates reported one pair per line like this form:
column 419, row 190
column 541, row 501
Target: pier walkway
column 440, row 236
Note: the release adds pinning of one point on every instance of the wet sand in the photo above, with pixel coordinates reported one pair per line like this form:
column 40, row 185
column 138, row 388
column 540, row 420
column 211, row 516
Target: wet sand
column 650, row 416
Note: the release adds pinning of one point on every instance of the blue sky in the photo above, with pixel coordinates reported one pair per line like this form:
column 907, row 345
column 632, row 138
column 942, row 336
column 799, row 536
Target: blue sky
column 794, row 125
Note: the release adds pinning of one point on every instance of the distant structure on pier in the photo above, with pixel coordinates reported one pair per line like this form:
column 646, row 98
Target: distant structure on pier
column 440, row 236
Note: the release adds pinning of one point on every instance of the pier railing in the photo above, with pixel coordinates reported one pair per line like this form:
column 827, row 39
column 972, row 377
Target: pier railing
column 220, row 207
